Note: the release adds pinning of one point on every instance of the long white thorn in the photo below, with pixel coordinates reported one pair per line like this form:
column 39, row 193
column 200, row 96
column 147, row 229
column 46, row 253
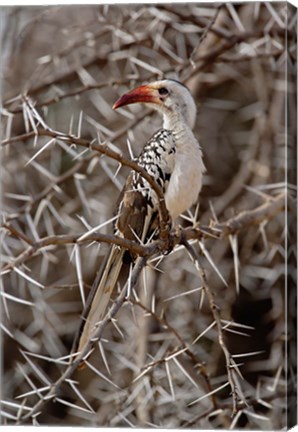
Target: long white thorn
column 40, row 151
column 79, row 273
column 98, row 227
column 234, row 245
column 206, row 395
column 28, row 278
column 209, row 258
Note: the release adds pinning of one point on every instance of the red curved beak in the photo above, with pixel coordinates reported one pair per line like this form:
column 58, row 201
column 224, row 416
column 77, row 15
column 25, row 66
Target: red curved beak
column 144, row 93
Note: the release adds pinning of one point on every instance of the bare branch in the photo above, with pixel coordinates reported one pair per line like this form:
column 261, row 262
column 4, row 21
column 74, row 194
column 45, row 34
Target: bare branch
column 230, row 364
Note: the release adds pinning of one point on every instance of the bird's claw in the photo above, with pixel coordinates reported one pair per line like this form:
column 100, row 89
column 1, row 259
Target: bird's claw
column 172, row 237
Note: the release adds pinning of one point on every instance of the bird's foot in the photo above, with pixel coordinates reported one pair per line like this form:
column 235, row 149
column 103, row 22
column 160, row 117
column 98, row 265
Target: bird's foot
column 172, row 238
column 167, row 239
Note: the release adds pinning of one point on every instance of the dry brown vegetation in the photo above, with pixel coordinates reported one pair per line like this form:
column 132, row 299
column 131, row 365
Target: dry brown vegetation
column 205, row 337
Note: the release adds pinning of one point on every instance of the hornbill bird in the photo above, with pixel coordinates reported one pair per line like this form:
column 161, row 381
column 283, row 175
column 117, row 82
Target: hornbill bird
column 173, row 158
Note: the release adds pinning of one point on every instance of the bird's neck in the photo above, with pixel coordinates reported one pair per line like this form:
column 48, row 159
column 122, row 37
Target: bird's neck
column 178, row 126
column 175, row 122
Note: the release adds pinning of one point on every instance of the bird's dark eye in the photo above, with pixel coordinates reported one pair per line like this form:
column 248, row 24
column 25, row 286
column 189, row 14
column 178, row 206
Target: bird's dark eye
column 163, row 91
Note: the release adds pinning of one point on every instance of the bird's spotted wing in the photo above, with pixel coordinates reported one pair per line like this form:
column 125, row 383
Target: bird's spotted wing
column 138, row 206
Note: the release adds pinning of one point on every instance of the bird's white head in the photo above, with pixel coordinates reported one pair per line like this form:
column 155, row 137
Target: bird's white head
column 172, row 98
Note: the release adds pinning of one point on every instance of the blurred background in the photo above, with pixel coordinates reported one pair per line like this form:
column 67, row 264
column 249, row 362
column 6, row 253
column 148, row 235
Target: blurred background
column 69, row 64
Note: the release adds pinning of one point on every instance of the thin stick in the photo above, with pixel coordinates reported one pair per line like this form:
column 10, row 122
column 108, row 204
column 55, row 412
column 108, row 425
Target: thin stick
column 216, row 315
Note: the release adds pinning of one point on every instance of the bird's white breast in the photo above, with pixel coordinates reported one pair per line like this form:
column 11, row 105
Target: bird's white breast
column 186, row 179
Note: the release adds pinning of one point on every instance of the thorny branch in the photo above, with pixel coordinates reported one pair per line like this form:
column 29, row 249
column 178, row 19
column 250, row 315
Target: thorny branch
column 242, row 221
column 230, row 364
column 76, row 92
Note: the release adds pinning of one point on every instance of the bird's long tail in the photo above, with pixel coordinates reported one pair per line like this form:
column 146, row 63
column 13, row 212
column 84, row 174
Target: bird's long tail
column 100, row 295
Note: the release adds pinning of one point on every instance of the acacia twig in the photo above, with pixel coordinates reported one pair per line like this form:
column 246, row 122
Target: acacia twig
column 230, row 364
